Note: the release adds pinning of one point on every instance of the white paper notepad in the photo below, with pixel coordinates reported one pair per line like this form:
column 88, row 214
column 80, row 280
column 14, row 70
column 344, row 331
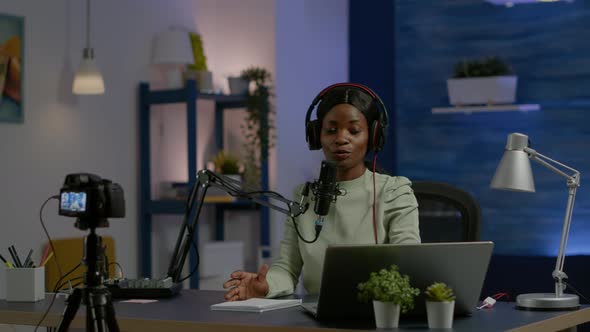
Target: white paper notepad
column 256, row 305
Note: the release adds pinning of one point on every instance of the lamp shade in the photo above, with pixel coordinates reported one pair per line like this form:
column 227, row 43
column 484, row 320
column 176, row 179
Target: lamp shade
column 88, row 79
column 514, row 173
column 514, row 170
column 172, row 47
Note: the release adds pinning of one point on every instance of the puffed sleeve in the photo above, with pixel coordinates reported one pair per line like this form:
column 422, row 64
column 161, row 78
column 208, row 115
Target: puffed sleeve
column 283, row 275
column 401, row 212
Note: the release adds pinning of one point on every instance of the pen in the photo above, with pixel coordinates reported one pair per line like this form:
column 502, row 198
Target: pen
column 7, row 263
column 12, row 254
column 28, row 259
column 45, row 253
column 20, row 263
column 47, row 259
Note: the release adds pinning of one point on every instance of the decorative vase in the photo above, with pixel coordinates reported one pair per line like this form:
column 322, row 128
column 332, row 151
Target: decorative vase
column 482, row 90
column 440, row 314
column 386, row 314
column 238, row 85
column 203, row 78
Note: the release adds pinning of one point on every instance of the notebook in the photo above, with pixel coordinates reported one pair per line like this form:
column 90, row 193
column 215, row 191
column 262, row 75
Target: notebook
column 462, row 265
column 256, row 305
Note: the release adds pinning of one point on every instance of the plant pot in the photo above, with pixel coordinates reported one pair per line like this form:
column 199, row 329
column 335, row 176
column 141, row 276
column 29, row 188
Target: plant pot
column 203, row 78
column 386, row 314
column 237, row 177
column 482, row 90
column 238, row 85
column 440, row 314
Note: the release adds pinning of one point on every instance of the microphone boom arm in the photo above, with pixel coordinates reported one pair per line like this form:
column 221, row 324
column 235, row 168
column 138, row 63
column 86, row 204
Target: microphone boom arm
column 196, row 198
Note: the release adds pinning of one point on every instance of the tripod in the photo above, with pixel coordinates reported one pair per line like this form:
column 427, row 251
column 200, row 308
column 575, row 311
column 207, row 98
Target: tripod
column 100, row 313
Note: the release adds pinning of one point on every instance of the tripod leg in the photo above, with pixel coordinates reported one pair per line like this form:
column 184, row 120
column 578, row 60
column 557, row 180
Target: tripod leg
column 94, row 312
column 110, row 317
column 100, row 312
column 71, row 310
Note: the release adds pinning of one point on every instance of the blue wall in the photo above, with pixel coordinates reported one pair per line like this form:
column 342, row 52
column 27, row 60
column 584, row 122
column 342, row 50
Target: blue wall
column 548, row 47
column 371, row 49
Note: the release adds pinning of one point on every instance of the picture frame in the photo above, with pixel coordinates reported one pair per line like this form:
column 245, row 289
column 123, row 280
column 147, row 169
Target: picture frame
column 11, row 68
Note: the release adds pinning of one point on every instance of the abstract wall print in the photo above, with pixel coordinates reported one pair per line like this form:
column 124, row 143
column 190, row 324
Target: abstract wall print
column 11, row 68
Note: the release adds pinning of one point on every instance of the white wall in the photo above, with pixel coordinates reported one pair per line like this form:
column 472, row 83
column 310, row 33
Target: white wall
column 62, row 133
column 311, row 53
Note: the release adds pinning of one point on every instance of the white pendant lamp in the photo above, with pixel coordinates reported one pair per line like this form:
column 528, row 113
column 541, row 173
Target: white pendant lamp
column 88, row 79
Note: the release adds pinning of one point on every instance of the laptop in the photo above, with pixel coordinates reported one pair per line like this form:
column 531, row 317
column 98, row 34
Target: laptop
column 461, row 265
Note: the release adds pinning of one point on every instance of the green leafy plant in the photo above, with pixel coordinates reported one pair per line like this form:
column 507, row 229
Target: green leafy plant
column 439, row 292
column 258, row 129
column 198, row 53
column 490, row 66
column 226, row 163
column 389, row 286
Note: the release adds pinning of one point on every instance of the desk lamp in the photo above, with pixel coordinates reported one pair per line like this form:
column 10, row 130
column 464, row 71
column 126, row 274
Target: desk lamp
column 514, row 174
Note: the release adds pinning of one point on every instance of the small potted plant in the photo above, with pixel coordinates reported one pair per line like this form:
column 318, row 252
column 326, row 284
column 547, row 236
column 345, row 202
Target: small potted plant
column 440, row 306
column 391, row 293
column 238, row 85
column 485, row 81
column 198, row 71
column 227, row 164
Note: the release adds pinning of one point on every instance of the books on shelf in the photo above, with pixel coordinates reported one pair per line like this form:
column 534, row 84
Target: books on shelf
column 180, row 191
column 256, row 305
column 219, row 199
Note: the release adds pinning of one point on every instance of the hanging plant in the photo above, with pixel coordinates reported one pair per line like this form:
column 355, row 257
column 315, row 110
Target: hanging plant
column 258, row 129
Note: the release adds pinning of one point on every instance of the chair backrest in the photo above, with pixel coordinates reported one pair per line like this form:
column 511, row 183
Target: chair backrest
column 446, row 213
column 70, row 252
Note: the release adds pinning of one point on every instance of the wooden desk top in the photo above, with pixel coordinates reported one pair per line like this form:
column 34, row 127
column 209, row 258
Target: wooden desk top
column 190, row 311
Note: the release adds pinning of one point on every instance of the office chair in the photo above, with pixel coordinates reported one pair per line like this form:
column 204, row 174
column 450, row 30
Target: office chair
column 70, row 252
column 446, row 213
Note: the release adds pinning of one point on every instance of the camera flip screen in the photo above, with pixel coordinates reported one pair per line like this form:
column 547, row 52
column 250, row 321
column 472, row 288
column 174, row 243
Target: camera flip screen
column 73, row 201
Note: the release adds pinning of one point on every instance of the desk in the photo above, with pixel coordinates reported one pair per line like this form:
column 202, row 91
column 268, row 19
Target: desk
column 189, row 311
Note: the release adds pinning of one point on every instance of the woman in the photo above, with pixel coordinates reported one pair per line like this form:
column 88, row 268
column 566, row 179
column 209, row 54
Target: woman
column 348, row 118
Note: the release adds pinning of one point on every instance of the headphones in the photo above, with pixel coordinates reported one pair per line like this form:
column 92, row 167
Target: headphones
column 377, row 129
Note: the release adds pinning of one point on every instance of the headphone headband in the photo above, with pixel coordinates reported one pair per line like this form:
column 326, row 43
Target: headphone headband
column 378, row 133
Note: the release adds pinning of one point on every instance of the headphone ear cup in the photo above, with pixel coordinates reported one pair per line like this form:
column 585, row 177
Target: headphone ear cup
column 377, row 137
column 312, row 131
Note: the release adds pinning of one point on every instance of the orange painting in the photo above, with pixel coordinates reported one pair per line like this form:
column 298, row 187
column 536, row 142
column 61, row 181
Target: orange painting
column 11, row 68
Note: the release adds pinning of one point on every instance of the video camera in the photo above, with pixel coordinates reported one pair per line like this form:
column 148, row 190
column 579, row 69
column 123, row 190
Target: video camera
column 91, row 199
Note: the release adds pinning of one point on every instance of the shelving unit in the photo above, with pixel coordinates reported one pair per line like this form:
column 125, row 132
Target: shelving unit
column 487, row 108
column 148, row 206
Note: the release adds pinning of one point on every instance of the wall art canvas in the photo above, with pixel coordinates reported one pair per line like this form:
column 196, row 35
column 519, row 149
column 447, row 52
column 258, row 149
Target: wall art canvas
column 11, row 68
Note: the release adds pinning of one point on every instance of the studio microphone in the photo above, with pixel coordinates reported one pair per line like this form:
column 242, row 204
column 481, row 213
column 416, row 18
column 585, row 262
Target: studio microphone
column 325, row 190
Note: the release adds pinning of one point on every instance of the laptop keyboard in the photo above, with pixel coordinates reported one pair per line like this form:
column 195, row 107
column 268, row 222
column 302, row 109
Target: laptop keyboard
column 310, row 306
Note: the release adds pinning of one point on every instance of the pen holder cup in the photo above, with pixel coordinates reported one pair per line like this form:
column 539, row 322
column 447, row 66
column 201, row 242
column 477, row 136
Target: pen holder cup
column 25, row 284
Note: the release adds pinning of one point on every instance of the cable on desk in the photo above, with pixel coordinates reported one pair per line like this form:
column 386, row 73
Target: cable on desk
column 194, row 245
column 47, row 233
column 491, row 300
column 120, row 269
column 55, row 295
column 576, row 291
column 56, row 260
column 60, row 287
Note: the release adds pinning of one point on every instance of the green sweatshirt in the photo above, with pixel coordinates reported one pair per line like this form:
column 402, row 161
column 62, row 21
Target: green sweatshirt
column 350, row 221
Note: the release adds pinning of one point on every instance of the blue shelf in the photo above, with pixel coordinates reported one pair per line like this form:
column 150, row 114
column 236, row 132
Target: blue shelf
column 148, row 207
column 179, row 206
column 155, row 97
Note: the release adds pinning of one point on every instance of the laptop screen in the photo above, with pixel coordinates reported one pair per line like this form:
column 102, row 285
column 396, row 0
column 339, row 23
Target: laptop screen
column 461, row 265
